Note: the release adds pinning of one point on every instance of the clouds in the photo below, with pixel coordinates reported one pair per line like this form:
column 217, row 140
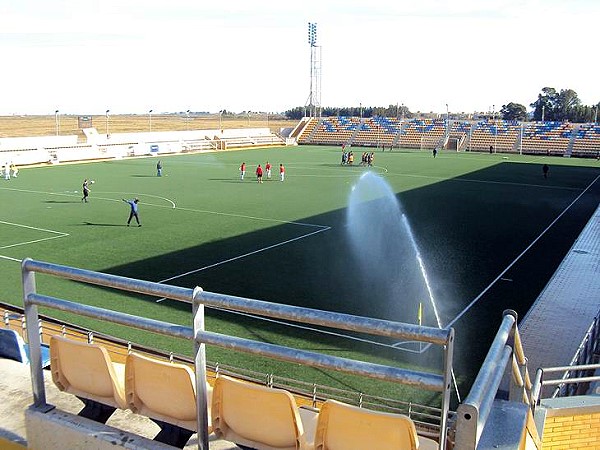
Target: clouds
column 86, row 56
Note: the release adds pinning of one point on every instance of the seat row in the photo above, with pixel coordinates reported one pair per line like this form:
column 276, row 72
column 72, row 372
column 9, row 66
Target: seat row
column 245, row 413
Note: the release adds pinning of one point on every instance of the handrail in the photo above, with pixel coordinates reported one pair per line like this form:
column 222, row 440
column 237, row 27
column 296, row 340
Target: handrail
column 439, row 336
column 584, row 354
column 119, row 348
column 200, row 337
column 474, row 411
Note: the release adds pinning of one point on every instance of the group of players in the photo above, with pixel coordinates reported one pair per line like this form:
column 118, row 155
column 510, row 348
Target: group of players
column 366, row 158
column 7, row 169
column 259, row 172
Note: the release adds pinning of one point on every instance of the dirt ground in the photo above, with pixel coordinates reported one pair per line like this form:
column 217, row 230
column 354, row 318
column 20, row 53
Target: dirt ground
column 48, row 125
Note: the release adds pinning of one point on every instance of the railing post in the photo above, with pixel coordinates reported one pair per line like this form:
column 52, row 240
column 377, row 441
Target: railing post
column 467, row 433
column 200, row 366
column 448, row 357
column 34, row 341
column 517, row 391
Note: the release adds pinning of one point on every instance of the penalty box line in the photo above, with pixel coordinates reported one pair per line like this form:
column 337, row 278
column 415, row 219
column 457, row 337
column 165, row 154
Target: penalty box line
column 59, row 234
column 254, row 252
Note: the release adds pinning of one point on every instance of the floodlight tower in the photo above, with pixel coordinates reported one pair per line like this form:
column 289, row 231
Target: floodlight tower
column 314, row 98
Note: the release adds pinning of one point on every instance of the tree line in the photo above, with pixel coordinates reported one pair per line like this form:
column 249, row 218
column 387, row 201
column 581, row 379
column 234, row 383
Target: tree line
column 551, row 105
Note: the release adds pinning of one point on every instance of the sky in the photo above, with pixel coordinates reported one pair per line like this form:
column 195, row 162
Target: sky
column 132, row 56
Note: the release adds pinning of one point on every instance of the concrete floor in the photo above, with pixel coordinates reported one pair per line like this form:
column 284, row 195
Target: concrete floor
column 16, row 397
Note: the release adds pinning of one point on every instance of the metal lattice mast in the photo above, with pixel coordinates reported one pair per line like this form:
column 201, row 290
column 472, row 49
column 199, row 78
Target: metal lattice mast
column 314, row 98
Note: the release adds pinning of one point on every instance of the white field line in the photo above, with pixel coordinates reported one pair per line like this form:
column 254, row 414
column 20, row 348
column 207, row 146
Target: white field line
column 11, row 259
column 203, row 211
column 265, row 219
column 501, row 275
column 254, row 252
column 472, row 180
column 75, row 194
column 58, row 233
column 351, row 172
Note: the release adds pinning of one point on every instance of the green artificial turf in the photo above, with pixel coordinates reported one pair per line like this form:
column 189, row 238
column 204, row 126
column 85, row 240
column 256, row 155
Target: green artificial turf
column 472, row 215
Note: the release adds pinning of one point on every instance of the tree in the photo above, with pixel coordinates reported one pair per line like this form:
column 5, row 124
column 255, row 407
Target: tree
column 513, row 111
column 566, row 104
column 559, row 106
column 544, row 105
column 295, row 113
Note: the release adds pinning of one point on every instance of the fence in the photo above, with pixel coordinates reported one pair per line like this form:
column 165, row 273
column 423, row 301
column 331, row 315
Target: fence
column 197, row 334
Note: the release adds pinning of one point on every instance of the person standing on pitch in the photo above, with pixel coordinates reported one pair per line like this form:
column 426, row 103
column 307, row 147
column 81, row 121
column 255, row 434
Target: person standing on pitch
column 259, row 174
column 159, row 168
column 134, row 210
column 268, row 169
column 242, row 171
column 281, row 172
column 545, row 170
column 86, row 191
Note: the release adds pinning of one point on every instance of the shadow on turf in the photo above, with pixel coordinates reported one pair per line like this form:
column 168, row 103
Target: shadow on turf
column 104, row 224
column 229, row 180
column 62, row 201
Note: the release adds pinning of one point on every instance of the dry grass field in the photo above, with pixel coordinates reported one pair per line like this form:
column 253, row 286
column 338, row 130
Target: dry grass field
column 19, row 126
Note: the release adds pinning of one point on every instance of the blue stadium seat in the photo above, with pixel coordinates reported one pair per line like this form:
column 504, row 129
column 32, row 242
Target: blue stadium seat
column 13, row 347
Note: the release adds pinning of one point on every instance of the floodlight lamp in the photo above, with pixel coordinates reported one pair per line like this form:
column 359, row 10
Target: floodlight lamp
column 312, row 34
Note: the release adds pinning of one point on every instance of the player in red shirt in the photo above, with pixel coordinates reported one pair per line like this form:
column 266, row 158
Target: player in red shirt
column 259, row 174
column 242, row 171
column 268, row 169
column 281, row 172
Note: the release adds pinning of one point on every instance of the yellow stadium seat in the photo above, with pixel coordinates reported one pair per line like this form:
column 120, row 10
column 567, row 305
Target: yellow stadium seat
column 257, row 416
column 86, row 370
column 162, row 390
column 345, row 427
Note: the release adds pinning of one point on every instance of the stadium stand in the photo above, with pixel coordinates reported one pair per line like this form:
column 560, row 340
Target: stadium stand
column 278, row 425
column 459, row 135
column 483, row 419
column 220, row 412
column 307, row 132
column 548, row 138
column 422, row 133
column 500, row 136
column 49, row 149
column 299, row 128
column 335, row 130
column 376, row 132
column 587, row 141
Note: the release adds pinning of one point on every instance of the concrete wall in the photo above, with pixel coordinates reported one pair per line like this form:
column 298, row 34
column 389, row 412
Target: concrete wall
column 55, row 149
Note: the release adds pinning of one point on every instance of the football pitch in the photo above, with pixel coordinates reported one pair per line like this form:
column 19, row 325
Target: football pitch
column 491, row 231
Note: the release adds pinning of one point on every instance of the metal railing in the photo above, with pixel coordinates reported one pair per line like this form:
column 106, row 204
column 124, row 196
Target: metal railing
column 577, row 372
column 200, row 337
column 506, row 348
column 426, row 418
